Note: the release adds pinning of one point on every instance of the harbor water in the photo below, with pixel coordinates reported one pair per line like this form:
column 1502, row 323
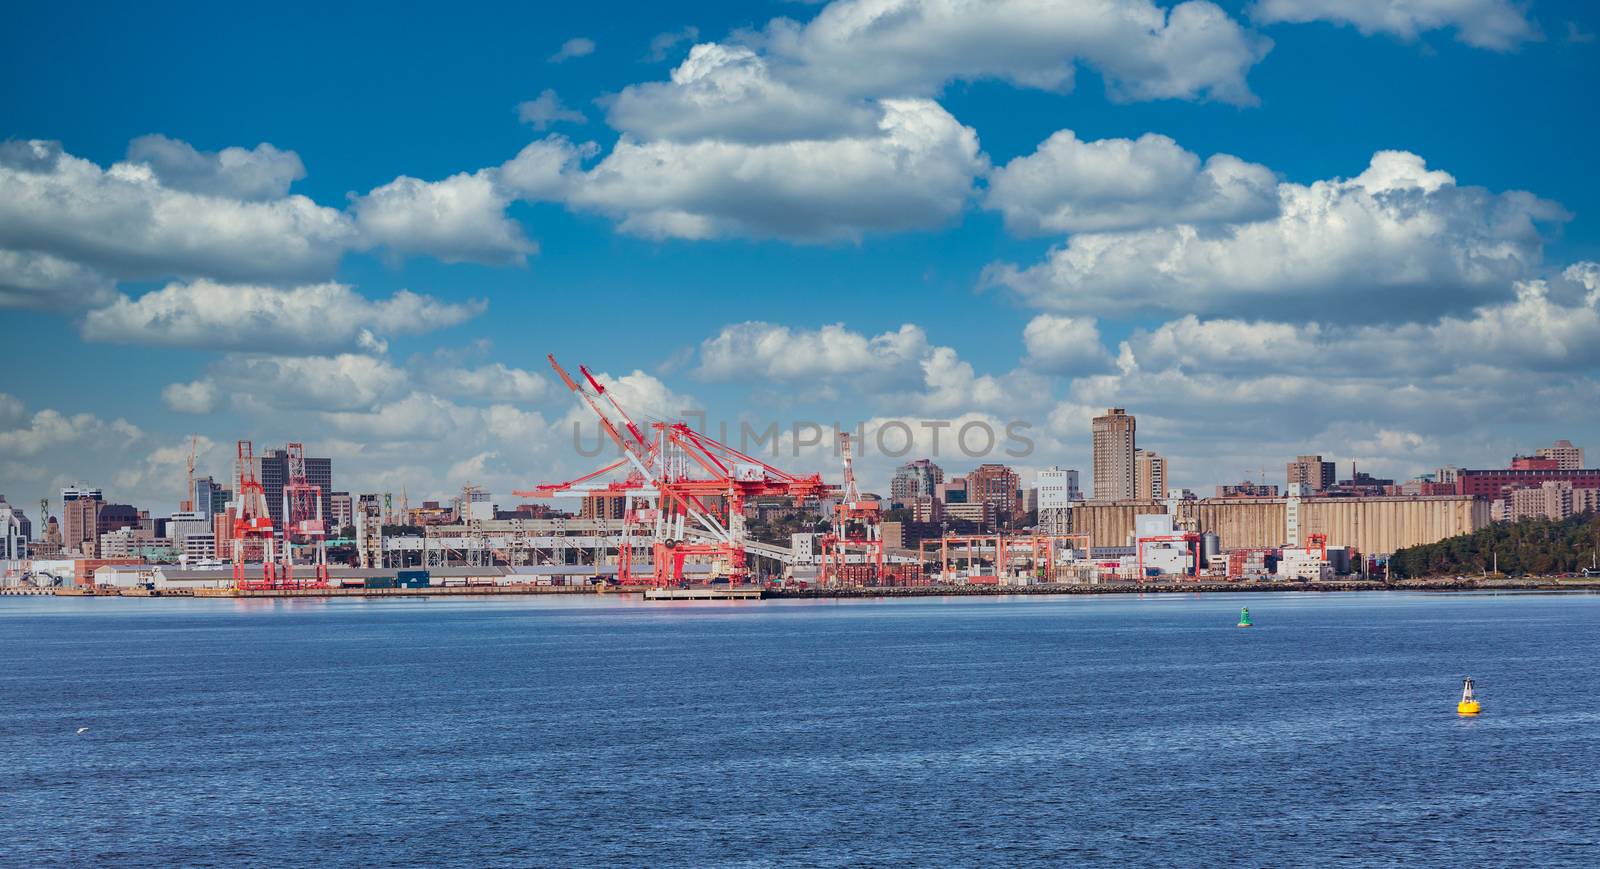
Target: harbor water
column 1039, row 731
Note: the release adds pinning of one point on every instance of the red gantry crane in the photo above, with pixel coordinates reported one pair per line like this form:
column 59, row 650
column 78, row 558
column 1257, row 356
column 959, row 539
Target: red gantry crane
column 252, row 527
column 304, row 523
column 857, row 528
column 253, row 531
column 684, row 491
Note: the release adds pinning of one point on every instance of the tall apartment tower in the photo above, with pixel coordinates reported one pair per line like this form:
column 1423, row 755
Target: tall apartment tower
column 1319, row 476
column 914, row 480
column 1569, row 456
column 996, row 485
column 80, row 512
column 1149, row 476
column 1113, row 456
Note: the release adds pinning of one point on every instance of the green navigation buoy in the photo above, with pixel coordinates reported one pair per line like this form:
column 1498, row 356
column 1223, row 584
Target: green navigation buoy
column 1244, row 617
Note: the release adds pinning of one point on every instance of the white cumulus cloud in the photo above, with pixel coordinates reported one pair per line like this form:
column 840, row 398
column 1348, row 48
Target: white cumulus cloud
column 35, row 280
column 495, row 382
column 199, row 396
column 728, row 93
column 246, row 317
column 1068, row 185
column 757, row 350
column 260, row 173
column 1397, row 241
column 127, row 223
column 1500, row 25
column 458, row 219
column 1143, row 51
column 915, row 171
column 1064, row 345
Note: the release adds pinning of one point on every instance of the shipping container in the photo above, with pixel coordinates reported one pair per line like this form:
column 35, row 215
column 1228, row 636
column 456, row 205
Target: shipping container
column 412, row 579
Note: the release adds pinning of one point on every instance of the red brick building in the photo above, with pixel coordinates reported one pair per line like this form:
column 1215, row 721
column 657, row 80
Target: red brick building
column 1495, row 483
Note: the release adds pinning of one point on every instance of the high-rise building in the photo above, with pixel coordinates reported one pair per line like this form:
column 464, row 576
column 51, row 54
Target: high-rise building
column 1567, row 456
column 15, row 531
column 195, row 524
column 996, row 485
column 1149, row 476
column 601, row 506
column 273, row 472
column 1114, row 443
column 80, row 509
column 341, row 511
column 210, row 497
column 78, row 492
column 1552, row 499
column 913, row 480
column 1317, row 475
column 369, row 530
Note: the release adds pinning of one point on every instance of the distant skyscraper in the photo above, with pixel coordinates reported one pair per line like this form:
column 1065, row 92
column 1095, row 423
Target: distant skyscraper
column 1149, row 475
column 15, row 531
column 1567, row 456
column 80, row 508
column 274, row 472
column 1318, row 475
column 210, row 498
column 995, row 485
column 1114, row 435
column 913, row 480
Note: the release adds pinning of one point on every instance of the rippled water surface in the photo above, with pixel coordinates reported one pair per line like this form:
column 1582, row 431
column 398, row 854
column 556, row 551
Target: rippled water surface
column 1010, row 732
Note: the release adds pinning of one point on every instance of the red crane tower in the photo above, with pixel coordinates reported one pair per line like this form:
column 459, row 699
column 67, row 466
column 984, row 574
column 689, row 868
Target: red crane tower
column 252, row 526
column 304, row 523
column 669, row 479
column 857, row 527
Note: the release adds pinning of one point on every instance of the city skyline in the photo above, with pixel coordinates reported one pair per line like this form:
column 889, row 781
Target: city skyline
column 388, row 259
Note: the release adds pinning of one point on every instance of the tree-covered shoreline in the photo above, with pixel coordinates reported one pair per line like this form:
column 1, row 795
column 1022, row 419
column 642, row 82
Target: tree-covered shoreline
column 1531, row 546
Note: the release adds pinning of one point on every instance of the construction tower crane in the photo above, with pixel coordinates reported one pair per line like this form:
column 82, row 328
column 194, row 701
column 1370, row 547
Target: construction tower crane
column 671, row 477
column 187, row 503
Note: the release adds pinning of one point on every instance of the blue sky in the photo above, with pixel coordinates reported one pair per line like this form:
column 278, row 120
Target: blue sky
column 759, row 238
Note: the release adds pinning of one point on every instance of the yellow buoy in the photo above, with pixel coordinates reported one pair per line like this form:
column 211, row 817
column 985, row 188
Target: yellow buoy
column 1469, row 704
